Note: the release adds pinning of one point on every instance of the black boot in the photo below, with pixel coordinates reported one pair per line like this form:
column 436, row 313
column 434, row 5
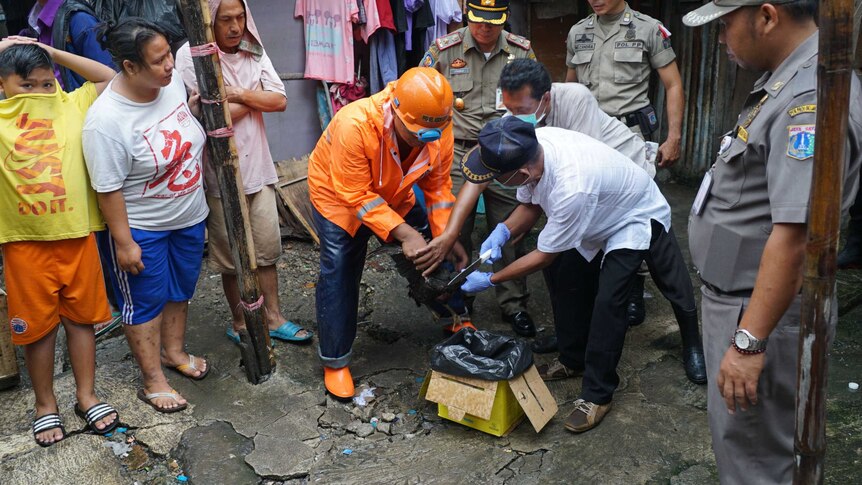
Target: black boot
column 692, row 347
column 635, row 312
column 851, row 256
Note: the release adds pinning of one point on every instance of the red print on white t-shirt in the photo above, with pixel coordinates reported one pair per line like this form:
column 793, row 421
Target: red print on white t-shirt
column 177, row 171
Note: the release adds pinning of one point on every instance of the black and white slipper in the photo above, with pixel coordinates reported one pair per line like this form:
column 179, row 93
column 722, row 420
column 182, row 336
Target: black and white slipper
column 97, row 412
column 47, row 423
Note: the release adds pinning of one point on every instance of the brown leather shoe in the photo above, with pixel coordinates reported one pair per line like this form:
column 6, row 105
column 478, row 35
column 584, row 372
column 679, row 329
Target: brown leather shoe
column 556, row 370
column 586, row 416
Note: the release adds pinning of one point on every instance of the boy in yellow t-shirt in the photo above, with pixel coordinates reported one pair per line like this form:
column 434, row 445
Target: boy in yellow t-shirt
column 52, row 268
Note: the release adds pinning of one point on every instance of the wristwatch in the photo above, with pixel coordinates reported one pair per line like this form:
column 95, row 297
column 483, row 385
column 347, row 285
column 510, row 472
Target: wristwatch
column 746, row 343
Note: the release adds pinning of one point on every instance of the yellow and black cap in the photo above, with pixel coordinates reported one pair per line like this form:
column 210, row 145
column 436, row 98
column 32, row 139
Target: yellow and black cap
column 488, row 11
column 505, row 144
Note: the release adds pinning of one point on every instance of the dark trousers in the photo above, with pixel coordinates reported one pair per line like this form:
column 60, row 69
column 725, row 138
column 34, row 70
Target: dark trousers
column 589, row 304
column 342, row 258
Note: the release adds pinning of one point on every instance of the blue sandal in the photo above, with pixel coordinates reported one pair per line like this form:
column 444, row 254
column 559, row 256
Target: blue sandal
column 288, row 330
column 232, row 335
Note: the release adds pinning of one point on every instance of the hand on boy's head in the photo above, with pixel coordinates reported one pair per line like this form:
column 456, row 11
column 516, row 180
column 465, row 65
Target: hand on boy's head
column 20, row 39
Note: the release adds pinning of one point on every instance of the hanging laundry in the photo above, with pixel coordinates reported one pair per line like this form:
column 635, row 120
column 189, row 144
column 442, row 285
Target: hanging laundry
column 328, row 38
column 384, row 64
column 445, row 12
column 344, row 94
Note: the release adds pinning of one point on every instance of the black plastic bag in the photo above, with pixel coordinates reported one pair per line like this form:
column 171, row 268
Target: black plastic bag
column 482, row 355
column 165, row 13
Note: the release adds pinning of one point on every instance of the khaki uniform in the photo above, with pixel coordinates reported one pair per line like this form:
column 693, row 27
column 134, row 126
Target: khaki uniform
column 762, row 177
column 616, row 67
column 474, row 81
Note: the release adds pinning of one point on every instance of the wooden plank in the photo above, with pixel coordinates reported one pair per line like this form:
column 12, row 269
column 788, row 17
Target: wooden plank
column 292, row 188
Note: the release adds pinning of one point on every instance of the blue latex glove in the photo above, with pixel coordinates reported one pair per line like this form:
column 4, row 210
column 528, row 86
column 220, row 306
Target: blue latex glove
column 476, row 282
column 498, row 237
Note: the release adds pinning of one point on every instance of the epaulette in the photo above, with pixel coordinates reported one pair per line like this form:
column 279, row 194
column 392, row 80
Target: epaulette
column 519, row 41
column 585, row 19
column 450, row 40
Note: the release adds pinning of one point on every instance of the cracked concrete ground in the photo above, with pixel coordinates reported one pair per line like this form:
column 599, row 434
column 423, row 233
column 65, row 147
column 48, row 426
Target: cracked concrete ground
column 287, row 430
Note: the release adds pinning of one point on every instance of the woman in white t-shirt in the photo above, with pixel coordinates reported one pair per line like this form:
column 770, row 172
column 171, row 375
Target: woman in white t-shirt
column 144, row 149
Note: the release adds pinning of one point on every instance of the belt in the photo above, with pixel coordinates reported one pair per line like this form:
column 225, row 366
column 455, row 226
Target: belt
column 719, row 291
column 465, row 144
column 630, row 119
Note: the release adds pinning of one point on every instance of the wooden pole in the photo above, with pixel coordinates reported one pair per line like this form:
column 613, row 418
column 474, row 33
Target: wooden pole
column 818, row 290
column 9, row 376
column 254, row 343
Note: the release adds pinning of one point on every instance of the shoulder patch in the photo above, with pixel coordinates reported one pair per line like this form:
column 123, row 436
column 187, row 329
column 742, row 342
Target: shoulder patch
column 519, row 41
column 805, row 108
column 800, row 141
column 428, row 60
column 450, row 40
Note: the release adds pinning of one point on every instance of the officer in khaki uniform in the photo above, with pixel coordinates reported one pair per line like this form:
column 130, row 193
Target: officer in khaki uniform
column 472, row 58
column 612, row 52
column 747, row 234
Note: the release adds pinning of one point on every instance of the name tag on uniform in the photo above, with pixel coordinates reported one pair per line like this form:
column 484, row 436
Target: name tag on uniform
column 702, row 194
column 457, row 71
column 585, row 46
column 632, row 44
column 499, row 102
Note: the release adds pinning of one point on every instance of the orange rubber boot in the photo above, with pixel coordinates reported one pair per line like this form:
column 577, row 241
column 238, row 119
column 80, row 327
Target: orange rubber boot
column 459, row 322
column 339, row 382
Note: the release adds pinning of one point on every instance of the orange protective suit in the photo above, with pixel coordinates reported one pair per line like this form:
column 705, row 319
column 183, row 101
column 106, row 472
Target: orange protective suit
column 355, row 174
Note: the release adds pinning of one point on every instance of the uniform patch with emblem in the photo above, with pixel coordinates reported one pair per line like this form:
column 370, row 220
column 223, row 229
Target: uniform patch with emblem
column 18, row 325
column 800, row 141
column 584, row 38
column 635, row 44
column 631, row 32
column 428, row 60
column 805, row 108
column 458, row 63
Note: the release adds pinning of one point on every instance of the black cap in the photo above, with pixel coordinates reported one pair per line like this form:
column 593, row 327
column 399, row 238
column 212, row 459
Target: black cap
column 488, row 11
column 505, row 144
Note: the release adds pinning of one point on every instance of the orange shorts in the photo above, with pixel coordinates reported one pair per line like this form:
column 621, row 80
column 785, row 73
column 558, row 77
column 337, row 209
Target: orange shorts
column 47, row 280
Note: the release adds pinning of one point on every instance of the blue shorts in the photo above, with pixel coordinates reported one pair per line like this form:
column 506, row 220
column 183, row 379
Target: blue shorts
column 172, row 264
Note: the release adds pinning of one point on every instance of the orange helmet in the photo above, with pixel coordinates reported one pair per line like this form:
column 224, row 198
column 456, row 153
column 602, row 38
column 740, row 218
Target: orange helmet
column 422, row 99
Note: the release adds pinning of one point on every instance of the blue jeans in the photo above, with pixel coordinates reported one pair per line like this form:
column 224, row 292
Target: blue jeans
column 342, row 258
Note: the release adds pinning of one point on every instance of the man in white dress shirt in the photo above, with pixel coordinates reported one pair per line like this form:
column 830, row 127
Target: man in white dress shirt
column 604, row 214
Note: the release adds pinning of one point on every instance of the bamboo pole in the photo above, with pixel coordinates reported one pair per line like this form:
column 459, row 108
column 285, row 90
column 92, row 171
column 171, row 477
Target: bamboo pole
column 818, row 289
column 254, row 343
column 9, row 376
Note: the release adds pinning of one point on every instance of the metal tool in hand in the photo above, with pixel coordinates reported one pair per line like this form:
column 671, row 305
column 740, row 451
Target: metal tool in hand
column 462, row 276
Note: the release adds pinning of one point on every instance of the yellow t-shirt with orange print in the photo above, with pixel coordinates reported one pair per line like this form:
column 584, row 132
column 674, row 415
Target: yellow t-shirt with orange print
column 45, row 192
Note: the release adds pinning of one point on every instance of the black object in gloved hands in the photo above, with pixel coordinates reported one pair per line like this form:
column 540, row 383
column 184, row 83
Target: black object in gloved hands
column 482, row 355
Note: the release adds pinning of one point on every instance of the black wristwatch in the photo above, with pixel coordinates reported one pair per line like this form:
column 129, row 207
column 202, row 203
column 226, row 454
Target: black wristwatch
column 746, row 343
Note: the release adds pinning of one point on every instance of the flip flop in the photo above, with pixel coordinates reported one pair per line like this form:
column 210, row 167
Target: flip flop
column 232, row 335
column 186, row 369
column 148, row 398
column 47, row 423
column 288, row 330
column 96, row 413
